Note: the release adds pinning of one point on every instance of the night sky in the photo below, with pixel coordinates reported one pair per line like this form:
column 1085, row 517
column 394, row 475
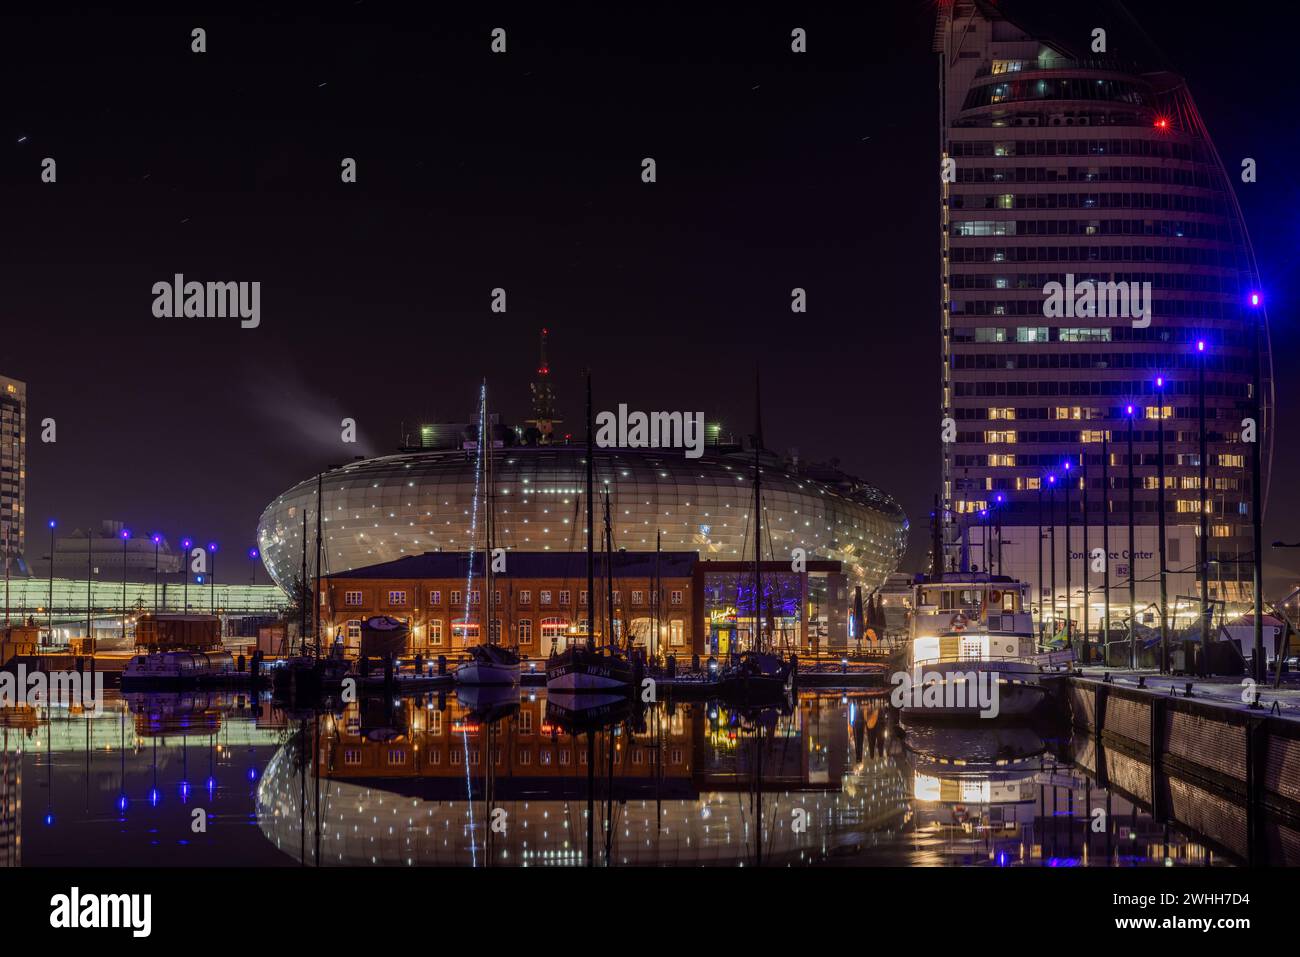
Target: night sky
column 521, row 170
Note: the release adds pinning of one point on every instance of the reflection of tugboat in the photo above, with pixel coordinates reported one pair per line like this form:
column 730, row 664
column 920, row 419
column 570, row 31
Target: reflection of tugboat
column 959, row 766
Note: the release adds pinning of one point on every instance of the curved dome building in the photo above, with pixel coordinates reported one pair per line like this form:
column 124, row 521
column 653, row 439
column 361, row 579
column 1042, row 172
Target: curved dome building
column 423, row 500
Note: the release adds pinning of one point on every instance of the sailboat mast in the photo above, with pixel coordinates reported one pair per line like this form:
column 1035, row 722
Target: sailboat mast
column 758, row 522
column 591, row 525
column 302, row 590
column 489, row 524
column 320, row 507
column 609, row 574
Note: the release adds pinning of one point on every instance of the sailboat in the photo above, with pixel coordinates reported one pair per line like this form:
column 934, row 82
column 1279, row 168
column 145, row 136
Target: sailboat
column 587, row 667
column 490, row 663
column 757, row 674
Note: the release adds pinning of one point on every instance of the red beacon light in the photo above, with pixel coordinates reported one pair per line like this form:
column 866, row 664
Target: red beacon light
column 1162, row 122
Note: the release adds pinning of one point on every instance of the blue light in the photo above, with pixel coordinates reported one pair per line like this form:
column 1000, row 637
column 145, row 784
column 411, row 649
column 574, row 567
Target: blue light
column 154, row 796
column 49, row 819
column 53, row 523
column 1256, row 299
column 252, row 553
column 122, row 803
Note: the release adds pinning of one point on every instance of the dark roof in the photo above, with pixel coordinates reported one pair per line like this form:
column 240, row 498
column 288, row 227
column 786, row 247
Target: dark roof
column 1067, row 27
column 528, row 565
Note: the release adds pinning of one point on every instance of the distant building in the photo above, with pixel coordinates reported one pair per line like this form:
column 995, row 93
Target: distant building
column 13, row 473
column 102, row 556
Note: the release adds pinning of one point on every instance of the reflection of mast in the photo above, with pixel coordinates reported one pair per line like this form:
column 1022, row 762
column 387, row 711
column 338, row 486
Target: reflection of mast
column 758, row 522
column 543, row 419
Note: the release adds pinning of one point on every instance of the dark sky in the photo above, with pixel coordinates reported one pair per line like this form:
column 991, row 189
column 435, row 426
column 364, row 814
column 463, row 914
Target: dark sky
column 522, row 171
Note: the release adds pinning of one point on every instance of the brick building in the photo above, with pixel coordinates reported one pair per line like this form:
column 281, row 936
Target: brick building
column 540, row 601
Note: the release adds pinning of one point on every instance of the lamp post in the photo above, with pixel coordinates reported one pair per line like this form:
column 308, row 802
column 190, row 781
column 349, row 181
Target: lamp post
column 1204, row 557
column 212, row 578
column 1256, row 489
column 1105, row 542
column 998, row 506
column 1069, row 597
column 157, row 540
column 1039, row 583
column 1132, row 554
column 126, row 536
column 984, row 539
column 1083, row 554
column 186, row 545
column 1160, row 523
column 1051, row 524
column 253, row 555
column 50, row 607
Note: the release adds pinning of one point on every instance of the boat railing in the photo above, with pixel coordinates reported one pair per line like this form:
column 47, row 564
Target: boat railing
column 975, row 659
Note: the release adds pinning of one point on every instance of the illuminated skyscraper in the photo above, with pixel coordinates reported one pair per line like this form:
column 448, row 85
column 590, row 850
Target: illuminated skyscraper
column 13, row 471
column 1076, row 156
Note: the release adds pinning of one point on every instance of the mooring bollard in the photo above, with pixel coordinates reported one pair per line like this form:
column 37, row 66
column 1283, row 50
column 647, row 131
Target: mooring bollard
column 442, row 664
column 672, row 666
column 695, row 662
column 419, row 663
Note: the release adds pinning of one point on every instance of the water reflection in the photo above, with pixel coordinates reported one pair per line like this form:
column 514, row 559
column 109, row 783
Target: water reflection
column 501, row 777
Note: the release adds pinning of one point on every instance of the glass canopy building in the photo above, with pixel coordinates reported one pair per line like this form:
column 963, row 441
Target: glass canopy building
column 381, row 509
column 1076, row 158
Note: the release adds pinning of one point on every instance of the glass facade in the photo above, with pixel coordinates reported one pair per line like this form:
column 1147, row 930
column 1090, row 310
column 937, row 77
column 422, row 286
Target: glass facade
column 385, row 508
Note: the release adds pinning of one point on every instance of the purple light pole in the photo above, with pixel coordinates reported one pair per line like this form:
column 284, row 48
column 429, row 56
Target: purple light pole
column 1160, row 517
column 126, row 536
column 1051, row 524
column 50, row 628
column 1204, row 523
column 1260, row 663
column 212, row 578
column 1132, row 553
column 157, row 540
column 1069, row 595
column 186, row 545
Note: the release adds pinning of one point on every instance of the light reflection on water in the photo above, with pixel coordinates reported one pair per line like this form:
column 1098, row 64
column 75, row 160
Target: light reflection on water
column 508, row 781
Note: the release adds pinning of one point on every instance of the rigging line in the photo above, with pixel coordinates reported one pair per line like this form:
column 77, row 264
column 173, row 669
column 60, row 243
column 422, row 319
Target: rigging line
column 473, row 522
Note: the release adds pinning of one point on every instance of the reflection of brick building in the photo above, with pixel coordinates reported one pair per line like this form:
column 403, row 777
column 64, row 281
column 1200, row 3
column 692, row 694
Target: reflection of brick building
column 438, row 747
column 540, row 601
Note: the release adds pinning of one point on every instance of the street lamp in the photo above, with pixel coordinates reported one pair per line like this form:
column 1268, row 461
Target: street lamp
column 126, row 536
column 212, row 578
column 1160, row 521
column 157, row 540
column 1256, row 486
column 1132, row 553
column 999, row 500
column 253, row 556
column 1051, row 524
column 1083, row 554
column 1069, row 597
column 1204, row 524
column 186, row 545
column 1105, row 541
column 50, row 609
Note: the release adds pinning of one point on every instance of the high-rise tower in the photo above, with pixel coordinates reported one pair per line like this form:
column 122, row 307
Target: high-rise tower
column 1075, row 156
column 543, row 419
column 13, row 472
